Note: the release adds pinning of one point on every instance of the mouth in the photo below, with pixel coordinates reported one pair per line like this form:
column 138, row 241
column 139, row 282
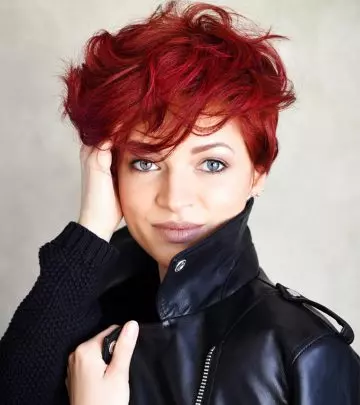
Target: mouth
column 179, row 234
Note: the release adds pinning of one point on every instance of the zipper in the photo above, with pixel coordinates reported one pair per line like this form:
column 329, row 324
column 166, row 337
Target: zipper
column 205, row 375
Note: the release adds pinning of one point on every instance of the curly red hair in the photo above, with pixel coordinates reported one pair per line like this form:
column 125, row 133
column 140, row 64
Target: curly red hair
column 185, row 61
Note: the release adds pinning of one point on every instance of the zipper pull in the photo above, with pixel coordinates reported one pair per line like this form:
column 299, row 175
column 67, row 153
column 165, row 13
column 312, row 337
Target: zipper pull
column 109, row 343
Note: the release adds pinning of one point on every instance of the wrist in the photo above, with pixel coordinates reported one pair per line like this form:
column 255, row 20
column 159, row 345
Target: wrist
column 96, row 229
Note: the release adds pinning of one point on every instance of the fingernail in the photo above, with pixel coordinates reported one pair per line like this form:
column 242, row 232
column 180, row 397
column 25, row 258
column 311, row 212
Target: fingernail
column 131, row 329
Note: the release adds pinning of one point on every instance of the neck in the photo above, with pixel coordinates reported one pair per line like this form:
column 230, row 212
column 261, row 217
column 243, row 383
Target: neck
column 162, row 272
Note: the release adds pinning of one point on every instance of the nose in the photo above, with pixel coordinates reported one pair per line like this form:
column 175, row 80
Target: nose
column 176, row 191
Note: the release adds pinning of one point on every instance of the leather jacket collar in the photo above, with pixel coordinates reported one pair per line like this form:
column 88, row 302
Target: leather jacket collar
column 199, row 276
column 213, row 268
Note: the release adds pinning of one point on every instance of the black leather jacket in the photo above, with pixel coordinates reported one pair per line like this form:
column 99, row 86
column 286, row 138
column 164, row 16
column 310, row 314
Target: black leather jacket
column 217, row 331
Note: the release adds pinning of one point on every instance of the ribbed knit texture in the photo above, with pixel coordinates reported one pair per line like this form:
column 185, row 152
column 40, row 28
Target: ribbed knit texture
column 59, row 312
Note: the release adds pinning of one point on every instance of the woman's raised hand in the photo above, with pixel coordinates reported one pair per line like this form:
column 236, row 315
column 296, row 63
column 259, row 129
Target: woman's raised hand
column 100, row 210
column 90, row 381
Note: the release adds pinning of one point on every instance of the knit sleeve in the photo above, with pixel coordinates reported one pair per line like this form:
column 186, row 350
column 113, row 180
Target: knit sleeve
column 59, row 312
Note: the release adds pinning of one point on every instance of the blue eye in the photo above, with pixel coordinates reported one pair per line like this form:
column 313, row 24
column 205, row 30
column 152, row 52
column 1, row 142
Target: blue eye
column 144, row 165
column 213, row 166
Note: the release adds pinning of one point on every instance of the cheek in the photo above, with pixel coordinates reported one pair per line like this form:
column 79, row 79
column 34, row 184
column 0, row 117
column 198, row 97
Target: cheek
column 129, row 199
column 135, row 198
column 230, row 191
column 126, row 189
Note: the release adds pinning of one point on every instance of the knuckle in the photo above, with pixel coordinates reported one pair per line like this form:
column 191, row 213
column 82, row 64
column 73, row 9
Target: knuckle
column 80, row 350
column 71, row 357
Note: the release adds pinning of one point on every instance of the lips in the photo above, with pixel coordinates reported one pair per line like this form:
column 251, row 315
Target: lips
column 183, row 233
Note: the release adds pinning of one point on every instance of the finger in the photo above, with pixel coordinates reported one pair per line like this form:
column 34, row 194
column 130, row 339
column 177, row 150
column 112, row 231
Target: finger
column 105, row 145
column 93, row 346
column 123, row 351
column 85, row 151
column 100, row 336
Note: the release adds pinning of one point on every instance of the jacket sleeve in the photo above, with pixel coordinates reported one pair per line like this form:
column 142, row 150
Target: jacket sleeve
column 326, row 372
column 59, row 312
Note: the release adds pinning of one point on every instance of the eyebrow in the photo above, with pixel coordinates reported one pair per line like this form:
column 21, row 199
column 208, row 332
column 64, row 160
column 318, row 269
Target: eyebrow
column 202, row 148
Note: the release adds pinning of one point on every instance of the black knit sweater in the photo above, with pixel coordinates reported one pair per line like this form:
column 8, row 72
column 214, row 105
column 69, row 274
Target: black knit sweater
column 59, row 312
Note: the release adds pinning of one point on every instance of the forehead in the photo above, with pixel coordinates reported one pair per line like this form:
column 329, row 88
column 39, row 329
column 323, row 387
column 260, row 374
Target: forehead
column 229, row 133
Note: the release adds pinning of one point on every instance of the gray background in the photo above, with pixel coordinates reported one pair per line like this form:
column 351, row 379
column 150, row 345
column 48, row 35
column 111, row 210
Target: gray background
column 305, row 225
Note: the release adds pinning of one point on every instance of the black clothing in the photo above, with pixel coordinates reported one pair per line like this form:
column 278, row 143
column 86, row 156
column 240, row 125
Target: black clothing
column 216, row 331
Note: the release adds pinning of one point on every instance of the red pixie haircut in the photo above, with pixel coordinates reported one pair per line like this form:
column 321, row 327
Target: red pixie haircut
column 167, row 70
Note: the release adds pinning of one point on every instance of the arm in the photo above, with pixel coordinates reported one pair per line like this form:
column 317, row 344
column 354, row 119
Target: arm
column 58, row 313
column 326, row 372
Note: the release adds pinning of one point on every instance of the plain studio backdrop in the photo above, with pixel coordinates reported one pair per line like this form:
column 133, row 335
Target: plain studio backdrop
column 306, row 224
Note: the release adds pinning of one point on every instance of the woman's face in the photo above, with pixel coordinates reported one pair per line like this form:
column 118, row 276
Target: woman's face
column 206, row 180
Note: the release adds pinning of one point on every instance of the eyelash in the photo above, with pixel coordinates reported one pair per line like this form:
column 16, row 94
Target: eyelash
column 132, row 163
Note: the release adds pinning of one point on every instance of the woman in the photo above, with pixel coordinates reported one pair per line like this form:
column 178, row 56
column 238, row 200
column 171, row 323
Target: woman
column 185, row 107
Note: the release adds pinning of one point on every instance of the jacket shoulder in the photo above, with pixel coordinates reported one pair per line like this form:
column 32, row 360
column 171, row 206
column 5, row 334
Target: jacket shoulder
column 295, row 326
column 327, row 371
column 316, row 310
column 296, row 318
column 289, row 329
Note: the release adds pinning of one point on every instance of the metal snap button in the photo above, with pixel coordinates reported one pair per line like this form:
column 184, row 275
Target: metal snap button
column 111, row 346
column 180, row 265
